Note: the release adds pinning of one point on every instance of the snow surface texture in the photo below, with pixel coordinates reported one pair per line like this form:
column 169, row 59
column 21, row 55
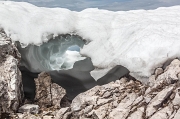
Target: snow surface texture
column 139, row 40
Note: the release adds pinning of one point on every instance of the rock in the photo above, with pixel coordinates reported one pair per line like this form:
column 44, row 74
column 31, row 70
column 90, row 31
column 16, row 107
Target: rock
column 29, row 108
column 101, row 112
column 48, row 93
column 27, row 116
column 177, row 115
column 47, row 117
column 81, row 100
column 137, row 114
column 124, row 107
column 176, row 100
column 158, row 71
column 156, row 102
column 61, row 112
column 130, row 99
column 11, row 93
column 164, row 113
column 57, row 93
column 48, row 98
column 103, row 101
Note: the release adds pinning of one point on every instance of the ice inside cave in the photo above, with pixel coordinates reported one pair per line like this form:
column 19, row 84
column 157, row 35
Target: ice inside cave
column 57, row 54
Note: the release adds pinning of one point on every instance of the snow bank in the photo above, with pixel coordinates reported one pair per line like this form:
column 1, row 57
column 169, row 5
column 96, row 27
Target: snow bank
column 139, row 40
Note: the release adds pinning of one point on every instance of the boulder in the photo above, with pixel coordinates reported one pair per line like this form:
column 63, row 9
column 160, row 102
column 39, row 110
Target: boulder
column 11, row 93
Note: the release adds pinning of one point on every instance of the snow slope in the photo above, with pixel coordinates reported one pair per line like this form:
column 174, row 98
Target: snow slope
column 139, row 40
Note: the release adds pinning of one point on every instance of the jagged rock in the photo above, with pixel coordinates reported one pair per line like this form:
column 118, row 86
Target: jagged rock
column 61, row 112
column 137, row 114
column 101, row 112
column 157, row 101
column 48, row 93
column 29, row 108
column 164, row 113
column 11, row 93
column 124, row 107
column 130, row 99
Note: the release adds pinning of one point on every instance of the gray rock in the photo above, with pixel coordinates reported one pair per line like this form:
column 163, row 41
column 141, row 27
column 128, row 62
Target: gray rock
column 27, row 116
column 48, row 93
column 137, row 114
column 29, row 108
column 57, row 93
column 164, row 113
column 61, row 112
column 11, row 93
column 157, row 101
column 101, row 112
column 176, row 100
column 124, row 107
column 177, row 115
column 128, row 99
column 47, row 117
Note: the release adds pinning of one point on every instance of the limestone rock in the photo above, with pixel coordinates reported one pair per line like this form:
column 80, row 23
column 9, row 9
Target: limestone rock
column 156, row 102
column 164, row 113
column 176, row 100
column 11, row 93
column 29, row 108
column 61, row 112
column 137, row 114
column 177, row 115
column 130, row 99
column 124, row 107
column 48, row 93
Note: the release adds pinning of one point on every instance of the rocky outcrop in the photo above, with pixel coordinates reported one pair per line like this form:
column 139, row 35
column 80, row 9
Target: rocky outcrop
column 47, row 93
column 10, row 76
column 47, row 99
column 130, row 99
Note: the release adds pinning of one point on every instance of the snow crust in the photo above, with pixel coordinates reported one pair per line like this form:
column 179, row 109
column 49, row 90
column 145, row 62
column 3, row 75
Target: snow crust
column 139, row 40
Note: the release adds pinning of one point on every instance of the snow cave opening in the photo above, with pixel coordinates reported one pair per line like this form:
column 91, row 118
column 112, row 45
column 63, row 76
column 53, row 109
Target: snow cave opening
column 61, row 58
